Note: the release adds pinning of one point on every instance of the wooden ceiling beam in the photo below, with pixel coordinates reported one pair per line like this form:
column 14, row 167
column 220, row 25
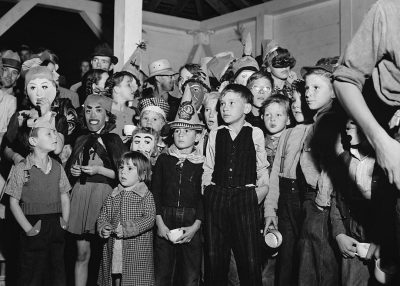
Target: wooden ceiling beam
column 199, row 7
column 241, row 3
column 218, row 6
column 180, row 5
column 14, row 14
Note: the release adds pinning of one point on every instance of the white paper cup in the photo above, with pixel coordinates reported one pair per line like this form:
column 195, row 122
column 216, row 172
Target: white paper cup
column 175, row 234
column 384, row 276
column 273, row 238
column 362, row 249
column 128, row 129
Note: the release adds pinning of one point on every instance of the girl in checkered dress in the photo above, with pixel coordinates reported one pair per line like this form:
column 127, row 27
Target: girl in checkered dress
column 126, row 221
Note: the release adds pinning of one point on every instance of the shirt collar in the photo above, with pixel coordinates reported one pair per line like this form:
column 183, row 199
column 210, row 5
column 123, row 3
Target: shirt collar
column 230, row 129
column 30, row 162
column 139, row 188
column 323, row 110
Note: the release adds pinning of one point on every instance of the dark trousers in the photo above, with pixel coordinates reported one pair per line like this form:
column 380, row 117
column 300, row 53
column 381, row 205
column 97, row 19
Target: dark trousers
column 290, row 219
column 318, row 263
column 42, row 255
column 178, row 263
column 232, row 222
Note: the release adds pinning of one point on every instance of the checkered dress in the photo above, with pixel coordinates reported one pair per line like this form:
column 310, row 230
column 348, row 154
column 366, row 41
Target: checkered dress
column 136, row 213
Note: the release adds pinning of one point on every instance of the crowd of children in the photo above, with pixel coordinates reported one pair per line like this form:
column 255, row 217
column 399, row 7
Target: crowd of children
column 180, row 177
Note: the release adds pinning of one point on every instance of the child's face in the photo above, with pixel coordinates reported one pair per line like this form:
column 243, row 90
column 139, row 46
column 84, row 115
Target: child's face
column 144, row 143
column 233, row 108
column 243, row 77
column 95, row 116
column 280, row 73
column 261, row 90
column 354, row 134
column 275, row 118
column 184, row 139
column 124, row 89
column 40, row 89
column 211, row 114
column 128, row 174
column 319, row 91
column 296, row 107
column 46, row 140
column 152, row 119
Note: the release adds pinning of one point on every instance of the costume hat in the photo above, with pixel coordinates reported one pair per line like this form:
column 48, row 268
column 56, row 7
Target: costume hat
column 11, row 59
column 327, row 64
column 154, row 104
column 104, row 50
column 247, row 62
column 268, row 46
column 187, row 116
column 219, row 64
column 161, row 67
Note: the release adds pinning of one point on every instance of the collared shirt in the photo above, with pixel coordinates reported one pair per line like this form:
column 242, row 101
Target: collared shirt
column 375, row 51
column 292, row 151
column 361, row 169
column 8, row 106
column 19, row 175
column 261, row 155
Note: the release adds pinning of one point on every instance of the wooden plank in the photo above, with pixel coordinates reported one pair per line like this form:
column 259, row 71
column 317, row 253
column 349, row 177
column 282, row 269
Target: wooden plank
column 241, row 3
column 93, row 21
column 73, row 5
column 166, row 21
column 180, row 5
column 199, row 7
column 218, row 6
column 14, row 14
column 268, row 8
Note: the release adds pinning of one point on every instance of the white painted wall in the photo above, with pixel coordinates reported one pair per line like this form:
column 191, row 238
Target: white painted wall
column 310, row 29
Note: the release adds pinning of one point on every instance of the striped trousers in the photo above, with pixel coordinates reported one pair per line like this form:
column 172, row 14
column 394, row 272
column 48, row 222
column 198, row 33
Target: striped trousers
column 232, row 222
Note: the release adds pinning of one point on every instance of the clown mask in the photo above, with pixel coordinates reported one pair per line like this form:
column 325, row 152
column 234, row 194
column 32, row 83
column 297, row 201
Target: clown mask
column 197, row 90
column 95, row 116
column 144, row 143
column 41, row 89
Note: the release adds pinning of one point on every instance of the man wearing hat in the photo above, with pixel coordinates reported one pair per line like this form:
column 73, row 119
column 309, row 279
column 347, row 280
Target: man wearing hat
column 103, row 58
column 161, row 76
column 8, row 103
column 11, row 70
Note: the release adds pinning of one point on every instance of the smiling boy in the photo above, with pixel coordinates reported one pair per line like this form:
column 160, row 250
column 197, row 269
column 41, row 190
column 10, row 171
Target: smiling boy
column 235, row 179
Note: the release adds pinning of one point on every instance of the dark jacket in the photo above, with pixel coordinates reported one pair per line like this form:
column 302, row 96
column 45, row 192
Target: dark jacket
column 177, row 185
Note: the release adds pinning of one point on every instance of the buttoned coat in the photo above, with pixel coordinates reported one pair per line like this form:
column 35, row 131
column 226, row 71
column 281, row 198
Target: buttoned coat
column 134, row 208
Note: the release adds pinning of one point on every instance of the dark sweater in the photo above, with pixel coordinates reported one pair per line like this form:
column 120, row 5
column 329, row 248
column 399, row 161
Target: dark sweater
column 177, row 186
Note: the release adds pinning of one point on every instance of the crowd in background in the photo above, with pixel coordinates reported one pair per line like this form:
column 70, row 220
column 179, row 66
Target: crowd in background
column 231, row 171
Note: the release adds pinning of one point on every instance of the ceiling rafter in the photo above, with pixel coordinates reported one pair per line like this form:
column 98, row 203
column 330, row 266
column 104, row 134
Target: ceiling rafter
column 218, row 6
column 153, row 5
column 199, row 8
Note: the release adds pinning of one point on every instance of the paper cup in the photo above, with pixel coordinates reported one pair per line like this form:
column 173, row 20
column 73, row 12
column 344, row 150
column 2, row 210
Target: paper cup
column 175, row 234
column 384, row 276
column 273, row 238
column 362, row 249
column 128, row 129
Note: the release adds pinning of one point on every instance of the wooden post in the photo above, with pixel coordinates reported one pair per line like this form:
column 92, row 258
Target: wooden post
column 14, row 14
column 127, row 29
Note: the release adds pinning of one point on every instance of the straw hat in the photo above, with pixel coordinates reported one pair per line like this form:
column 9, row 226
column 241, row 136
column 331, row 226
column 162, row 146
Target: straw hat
column 161, row 67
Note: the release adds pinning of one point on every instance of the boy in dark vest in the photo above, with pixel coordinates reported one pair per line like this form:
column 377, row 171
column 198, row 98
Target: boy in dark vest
column 235, row 179
column 39, row 200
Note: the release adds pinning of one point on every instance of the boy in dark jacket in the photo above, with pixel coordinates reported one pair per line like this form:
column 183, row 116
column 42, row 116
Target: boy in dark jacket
column 176, row 187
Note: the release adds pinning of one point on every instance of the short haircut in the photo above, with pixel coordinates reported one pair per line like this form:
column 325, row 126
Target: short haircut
column 243, row 92
column 117, row 78
column 257, row 75
column 91, row 77
column 320, row 72
column 141, row 162
column 25, row 133
column 278, row 98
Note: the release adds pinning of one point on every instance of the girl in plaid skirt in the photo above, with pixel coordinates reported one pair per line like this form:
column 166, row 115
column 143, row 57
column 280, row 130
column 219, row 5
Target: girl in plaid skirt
column 126, row 221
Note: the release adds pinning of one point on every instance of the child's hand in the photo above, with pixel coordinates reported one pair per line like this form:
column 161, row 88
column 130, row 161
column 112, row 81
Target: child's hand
column 347, row 245
column 188, row 233
column 106, row 231
column 76, row 170
column 118, row 231
column 90, row 170
column 162, row 230
column 271, row 222
column 44, row 105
